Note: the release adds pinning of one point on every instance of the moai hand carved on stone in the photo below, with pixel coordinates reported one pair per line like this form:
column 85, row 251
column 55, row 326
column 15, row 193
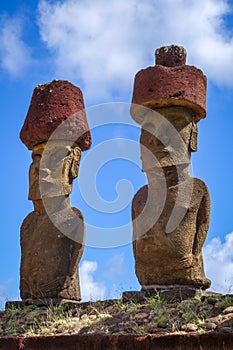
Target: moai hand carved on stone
column 49, row 257
column 171, row 213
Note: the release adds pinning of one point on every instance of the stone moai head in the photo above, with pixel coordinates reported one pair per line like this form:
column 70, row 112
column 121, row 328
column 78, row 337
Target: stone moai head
column 56, row 179
column 177, row 92
column 56, row 112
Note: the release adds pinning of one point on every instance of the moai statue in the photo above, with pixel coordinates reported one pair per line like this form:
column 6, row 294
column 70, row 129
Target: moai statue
column 171, row 213
column 52, row 236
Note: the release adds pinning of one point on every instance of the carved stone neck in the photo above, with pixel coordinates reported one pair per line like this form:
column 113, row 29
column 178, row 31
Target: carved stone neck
column 51, row 205
column 173, row 175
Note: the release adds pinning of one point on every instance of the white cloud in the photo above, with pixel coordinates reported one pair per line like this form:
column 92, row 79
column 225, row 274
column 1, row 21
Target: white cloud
column 218, row 262
column 100, row 45
column 14, row 53
column 90, row 289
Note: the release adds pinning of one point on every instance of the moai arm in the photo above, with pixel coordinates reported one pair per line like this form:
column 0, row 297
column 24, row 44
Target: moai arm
column 203, row 218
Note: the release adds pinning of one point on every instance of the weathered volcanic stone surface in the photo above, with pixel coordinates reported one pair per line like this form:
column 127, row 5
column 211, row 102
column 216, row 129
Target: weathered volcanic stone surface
column 209, row 341
column 171, row 214
column 170, row 56
column 9, row 343
column 170, row 294
column 176, row 257
column 54, row 175
column 49, row 261
column 52, row 104
column 52, row 236
column 169, row 85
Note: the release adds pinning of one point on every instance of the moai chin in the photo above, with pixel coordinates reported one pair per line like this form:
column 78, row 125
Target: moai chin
column 49, row 257
column 170, row 214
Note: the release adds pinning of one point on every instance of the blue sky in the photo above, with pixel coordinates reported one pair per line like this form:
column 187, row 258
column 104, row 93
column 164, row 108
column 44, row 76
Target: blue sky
column 99, row 46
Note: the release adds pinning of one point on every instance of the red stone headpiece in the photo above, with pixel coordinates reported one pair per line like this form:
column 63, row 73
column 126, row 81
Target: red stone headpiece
column 52, row 104
column 169, row 83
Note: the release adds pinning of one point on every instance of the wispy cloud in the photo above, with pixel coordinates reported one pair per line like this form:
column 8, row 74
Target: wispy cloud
column 218, row 258
column 3, row 295
column 115, row 267
column 90, row 289
column 100, row 45
column 119, row 275
column 7, row 292
column 116, row 275
column 15, row 55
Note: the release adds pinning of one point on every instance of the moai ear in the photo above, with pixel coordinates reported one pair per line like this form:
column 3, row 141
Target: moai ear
column 70, row 168
column 75, row 162
column 193, row 138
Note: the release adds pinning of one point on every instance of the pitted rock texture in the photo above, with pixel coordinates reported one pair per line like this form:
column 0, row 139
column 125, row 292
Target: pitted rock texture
column 170, row 56
column 52, row 236
column 121, row 342
column 52, row 104
column 176, row 257
column 171, row 214
column 160, row 86
column 53, row 177
column 49, row 259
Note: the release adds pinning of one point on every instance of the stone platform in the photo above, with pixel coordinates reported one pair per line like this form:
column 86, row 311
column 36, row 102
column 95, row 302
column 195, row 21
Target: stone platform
column 209, row 341
column 67, row 304
column 120, row 324
column 40, row 302
column 166, row 293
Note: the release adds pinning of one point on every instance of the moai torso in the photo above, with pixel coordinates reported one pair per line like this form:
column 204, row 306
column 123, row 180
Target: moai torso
column 171, row 213
column 173, row 258
column 49, row 256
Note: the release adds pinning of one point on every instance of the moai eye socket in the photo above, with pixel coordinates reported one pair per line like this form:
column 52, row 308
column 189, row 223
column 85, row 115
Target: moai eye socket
column 55, row 157
column 59, row 154
column 165, row 139
column 36, row 157
column 149, row 127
